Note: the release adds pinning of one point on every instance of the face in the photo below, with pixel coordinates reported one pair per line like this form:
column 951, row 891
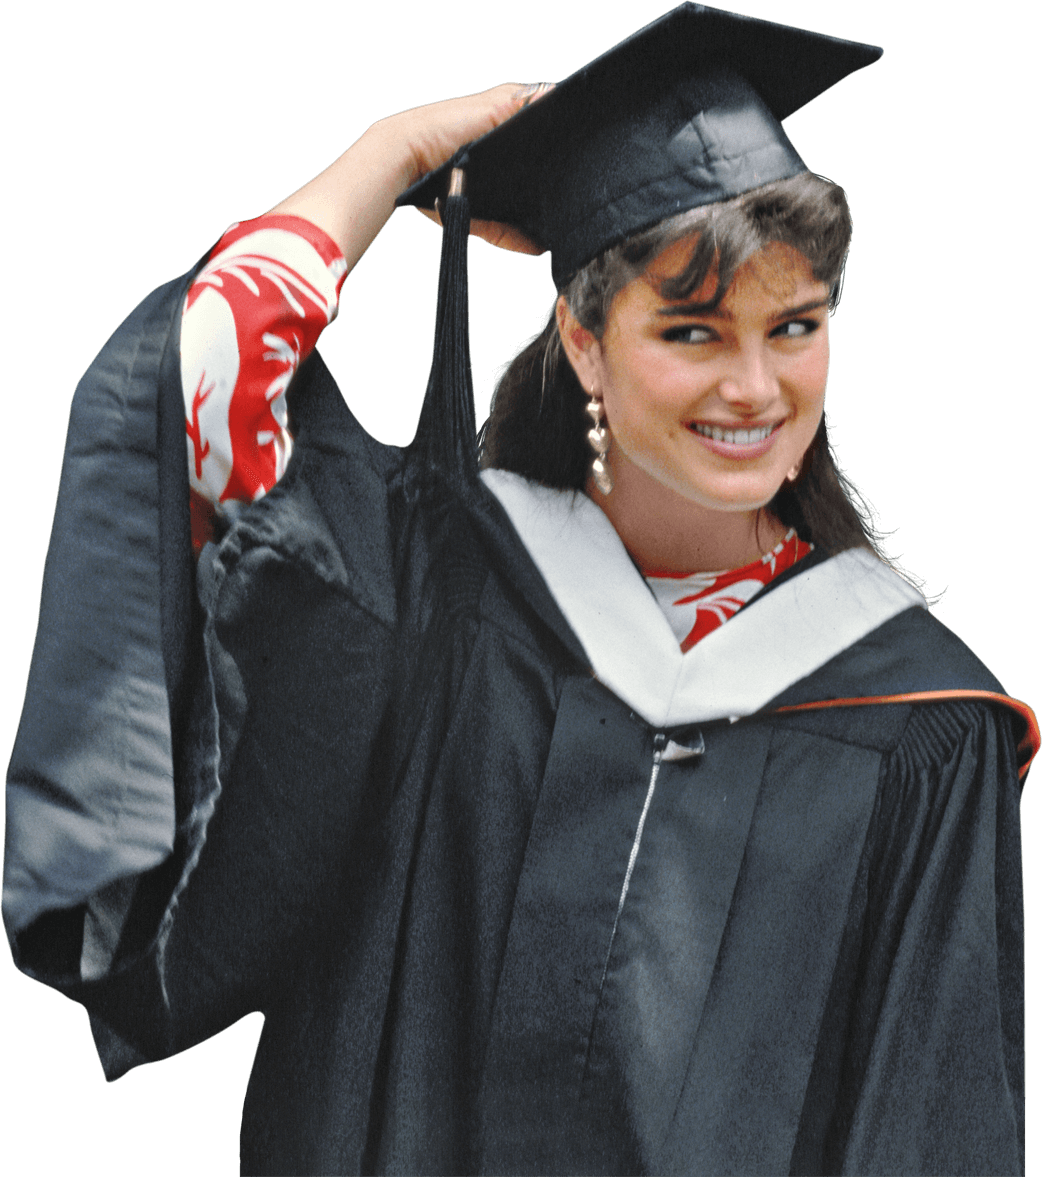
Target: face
column 718, row 407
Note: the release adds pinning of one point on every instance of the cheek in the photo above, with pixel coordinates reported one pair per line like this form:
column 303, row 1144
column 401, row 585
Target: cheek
column 803, row 383
column 814, row 372
column 642, row 391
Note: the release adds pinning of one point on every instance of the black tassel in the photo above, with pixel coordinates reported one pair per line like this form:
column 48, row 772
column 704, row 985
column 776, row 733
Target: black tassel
column 447, row 432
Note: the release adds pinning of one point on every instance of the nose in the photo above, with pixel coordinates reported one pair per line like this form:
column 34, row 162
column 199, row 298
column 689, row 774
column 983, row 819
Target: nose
column 750, row 383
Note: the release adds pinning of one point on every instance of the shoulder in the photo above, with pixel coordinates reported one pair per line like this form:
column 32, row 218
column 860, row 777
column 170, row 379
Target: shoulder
column 902, row 649
column 947, row 734
column 911, row 680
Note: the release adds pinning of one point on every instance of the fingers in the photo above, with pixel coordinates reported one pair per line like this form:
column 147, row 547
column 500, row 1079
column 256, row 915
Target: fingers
column 495, row 233
column 495, row 106
column 434, row 133
column 504, row 237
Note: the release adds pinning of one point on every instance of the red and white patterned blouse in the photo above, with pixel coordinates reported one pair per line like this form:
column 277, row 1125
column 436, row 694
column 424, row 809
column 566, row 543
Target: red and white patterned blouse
column 697, row 603
column 252, row 316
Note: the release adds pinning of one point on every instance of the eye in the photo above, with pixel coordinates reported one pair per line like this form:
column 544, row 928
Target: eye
column 795, row 329
column 690, row 333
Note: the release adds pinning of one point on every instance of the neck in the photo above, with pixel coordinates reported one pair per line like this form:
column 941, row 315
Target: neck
column 665, row 532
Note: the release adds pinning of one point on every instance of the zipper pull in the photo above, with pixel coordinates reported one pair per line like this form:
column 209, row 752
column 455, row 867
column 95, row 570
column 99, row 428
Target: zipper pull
column 659, row 745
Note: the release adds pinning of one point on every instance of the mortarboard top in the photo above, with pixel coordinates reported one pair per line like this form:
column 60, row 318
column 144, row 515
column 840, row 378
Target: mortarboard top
column 684, row 113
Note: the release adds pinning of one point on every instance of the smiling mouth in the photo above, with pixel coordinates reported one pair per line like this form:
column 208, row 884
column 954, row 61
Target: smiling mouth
column 735, row 436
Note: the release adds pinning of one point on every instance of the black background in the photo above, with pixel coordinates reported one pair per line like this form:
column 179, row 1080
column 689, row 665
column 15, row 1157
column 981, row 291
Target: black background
column 159, row 141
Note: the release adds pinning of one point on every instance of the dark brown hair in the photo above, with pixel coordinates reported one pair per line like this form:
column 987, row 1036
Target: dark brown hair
column 537, row 426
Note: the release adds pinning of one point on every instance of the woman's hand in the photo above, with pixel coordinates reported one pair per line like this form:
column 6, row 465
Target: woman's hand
column 353, row 198
column 437, row 132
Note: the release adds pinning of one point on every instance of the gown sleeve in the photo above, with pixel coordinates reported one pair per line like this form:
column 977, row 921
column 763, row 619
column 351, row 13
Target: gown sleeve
column 151, row 703
column 922, row 1069
column 251, row 315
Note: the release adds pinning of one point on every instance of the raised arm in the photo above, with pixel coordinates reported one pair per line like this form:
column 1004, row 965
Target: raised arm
column 254, row 313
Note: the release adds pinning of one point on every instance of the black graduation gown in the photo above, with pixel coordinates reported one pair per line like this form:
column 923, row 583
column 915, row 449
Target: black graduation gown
column 496, row 921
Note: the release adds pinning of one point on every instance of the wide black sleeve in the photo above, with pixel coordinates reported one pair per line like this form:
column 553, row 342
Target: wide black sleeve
column 192, row 760
column 89, row 793
column 921, row 1069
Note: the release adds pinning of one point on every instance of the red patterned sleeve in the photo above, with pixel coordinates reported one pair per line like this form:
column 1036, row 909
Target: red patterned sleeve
column 252, row 316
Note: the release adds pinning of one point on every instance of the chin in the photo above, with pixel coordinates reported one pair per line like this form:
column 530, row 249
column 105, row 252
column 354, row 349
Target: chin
column 732, row 502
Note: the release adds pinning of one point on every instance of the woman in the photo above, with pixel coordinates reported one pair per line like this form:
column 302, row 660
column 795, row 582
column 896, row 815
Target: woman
column 526, row 875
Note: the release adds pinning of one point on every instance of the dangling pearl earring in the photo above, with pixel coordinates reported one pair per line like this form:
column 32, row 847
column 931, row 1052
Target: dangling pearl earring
column 600, row 442
column 794, row 473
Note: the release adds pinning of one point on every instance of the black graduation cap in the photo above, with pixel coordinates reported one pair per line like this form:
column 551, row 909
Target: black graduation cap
column 684, row 113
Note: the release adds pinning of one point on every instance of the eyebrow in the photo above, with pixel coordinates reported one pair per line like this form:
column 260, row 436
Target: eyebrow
column 701, row 310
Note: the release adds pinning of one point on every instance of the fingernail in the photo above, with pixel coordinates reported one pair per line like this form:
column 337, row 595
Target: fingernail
column 530, row 93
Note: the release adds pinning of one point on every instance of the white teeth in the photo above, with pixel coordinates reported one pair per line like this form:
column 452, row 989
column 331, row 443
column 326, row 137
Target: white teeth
column 736, row 436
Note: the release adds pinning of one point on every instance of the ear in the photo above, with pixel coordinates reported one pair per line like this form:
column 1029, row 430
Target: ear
column 581, row 347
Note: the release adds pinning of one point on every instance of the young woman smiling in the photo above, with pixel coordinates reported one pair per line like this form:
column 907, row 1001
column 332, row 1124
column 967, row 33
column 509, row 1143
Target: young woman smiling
column 712, row 404
column 591, row 800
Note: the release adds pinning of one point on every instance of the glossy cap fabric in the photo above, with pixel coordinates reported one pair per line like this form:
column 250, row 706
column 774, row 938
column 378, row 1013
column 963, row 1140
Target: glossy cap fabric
column 686, row 112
